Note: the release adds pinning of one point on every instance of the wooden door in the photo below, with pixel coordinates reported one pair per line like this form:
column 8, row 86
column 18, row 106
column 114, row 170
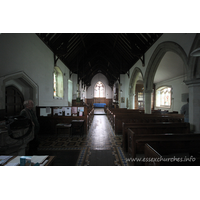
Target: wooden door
column 13, row 101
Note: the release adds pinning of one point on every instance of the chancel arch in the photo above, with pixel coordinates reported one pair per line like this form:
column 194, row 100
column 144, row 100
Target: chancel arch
column 136, row 79
column 94, row 95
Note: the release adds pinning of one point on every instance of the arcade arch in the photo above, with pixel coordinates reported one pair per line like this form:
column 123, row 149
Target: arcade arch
column 136, row 79
column 162, row 50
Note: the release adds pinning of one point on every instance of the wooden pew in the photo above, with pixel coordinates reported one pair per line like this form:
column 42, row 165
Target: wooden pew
column 116, row 111
column 90, row 117
column 152, row 128
column 112, row 112
column 189, row 142
column 143, row 118
column 152, row 157
column 117, row 116
column 188, row 155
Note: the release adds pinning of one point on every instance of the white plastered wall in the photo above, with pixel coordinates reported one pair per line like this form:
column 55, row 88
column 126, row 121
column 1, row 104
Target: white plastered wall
column 27, row 54
column 103, row 79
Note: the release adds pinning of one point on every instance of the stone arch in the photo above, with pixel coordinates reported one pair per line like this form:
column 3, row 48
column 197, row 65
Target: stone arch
column 132, row 85
column 24, row 83
column 157, row 57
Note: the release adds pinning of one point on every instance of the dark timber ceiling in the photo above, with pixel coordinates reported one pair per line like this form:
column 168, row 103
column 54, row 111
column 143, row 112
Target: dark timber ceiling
column 111, row 54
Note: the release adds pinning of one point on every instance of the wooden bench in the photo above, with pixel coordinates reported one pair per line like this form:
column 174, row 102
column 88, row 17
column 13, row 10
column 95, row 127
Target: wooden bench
column 152, row 128
column 189, row 142
column 152, row 157
column 90, row 117
column 144, row 118
column 111, row 113
column 117, row 116
column 188, row 155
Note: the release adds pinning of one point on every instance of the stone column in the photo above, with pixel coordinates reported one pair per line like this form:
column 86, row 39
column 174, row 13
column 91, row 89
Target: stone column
column 2, row 94
column 131, row 102
column 194, row 104
column 147, row 103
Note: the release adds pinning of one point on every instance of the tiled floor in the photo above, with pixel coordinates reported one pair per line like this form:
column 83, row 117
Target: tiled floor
column 99, row 148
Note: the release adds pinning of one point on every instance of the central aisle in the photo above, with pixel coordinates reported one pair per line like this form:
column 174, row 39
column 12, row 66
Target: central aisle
column 100, row 143
column 104, row 148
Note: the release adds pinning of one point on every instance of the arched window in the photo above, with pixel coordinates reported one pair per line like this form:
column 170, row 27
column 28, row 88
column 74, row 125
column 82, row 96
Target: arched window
column 99, row 89
column 57, row 83
column 70, row 91
column 163, row 97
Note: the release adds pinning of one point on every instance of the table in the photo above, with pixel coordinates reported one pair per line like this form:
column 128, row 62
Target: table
column 48, row 163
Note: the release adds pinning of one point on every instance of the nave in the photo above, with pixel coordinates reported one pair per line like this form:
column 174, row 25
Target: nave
column 99, row 148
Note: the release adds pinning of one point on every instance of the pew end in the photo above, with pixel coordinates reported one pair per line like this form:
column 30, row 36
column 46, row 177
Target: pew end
column 152, row 157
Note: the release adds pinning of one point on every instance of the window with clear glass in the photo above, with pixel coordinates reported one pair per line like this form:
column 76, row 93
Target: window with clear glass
column 54, row 84
column 163, row 97
column 140, row 96
column 99, row 90
column 140, row 100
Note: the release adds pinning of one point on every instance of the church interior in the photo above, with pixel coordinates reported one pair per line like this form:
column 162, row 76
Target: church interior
column 103, row 99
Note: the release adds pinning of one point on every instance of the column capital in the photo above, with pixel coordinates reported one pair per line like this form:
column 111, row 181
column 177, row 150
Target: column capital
column 148, row 91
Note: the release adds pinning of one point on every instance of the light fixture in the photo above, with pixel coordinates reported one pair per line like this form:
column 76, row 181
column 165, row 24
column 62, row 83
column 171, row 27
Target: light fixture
column 195, row 53
column 121, row 91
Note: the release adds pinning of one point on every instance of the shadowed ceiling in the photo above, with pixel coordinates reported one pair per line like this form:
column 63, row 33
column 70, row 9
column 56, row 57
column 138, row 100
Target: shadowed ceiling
column 111, row 54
